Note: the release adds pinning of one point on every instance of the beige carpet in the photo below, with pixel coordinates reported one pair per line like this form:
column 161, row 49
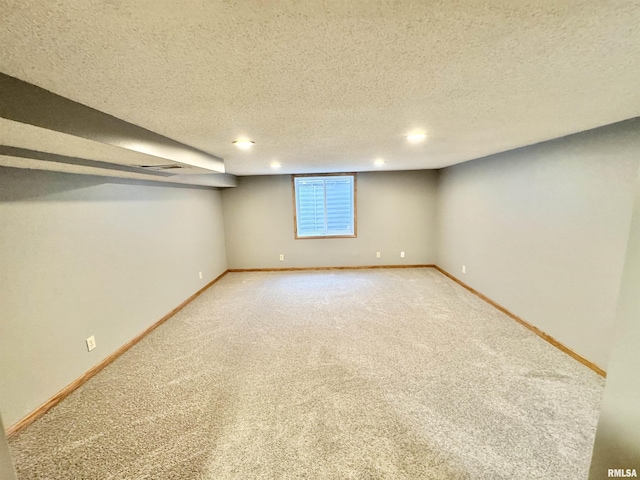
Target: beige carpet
column 362, row 374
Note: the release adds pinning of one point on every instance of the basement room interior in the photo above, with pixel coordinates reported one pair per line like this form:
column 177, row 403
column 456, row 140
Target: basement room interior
column 322, row 240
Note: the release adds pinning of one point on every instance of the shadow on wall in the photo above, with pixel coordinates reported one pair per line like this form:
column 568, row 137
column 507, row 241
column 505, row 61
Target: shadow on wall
column 613, row 451
column 6, row 465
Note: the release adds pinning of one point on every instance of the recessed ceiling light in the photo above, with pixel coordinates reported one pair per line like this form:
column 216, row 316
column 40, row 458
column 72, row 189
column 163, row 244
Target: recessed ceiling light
column 275, row 165
column 378, row 162
column 416, row 137
column 243, row 144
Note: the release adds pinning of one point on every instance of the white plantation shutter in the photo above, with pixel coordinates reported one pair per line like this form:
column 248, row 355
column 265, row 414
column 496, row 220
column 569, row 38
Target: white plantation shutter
column 310, row 202
column 324, row 206
column 339, row 195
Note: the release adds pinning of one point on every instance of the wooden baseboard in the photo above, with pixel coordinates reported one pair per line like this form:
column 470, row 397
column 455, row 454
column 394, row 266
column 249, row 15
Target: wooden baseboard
column 527, row 325
column 58, row 397
column 62, row 394
column 298, row 269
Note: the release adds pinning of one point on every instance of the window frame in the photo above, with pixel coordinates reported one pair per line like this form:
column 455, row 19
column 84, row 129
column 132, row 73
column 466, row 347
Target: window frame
column 295, row 205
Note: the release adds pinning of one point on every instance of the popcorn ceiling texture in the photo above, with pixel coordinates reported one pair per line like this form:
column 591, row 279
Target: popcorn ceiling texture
column 330, row 85
column 398, row 374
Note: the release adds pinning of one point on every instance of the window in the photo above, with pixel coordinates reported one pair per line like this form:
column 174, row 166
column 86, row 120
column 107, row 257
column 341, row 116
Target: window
column 325, row 205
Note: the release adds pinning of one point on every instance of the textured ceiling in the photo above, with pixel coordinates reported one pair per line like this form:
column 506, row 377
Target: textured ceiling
column 331, row 85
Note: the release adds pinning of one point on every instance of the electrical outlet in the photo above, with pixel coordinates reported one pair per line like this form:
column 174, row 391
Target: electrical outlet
column 282, row 257
column 200, row 274
column 91, row 343
column 464, row 269
column 401, row 254
column 377, row 254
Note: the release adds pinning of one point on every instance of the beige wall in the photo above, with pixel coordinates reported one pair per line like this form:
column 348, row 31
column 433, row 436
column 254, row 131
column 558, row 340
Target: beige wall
column 396, row 212
column 617, row 442
column 542, row 230
column 83, row 256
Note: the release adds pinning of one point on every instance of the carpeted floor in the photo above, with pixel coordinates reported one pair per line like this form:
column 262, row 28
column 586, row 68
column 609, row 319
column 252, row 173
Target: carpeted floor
column 357, row 374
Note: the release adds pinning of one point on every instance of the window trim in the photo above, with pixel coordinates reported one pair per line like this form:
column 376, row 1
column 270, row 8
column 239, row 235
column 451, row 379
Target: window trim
column 355, row 204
